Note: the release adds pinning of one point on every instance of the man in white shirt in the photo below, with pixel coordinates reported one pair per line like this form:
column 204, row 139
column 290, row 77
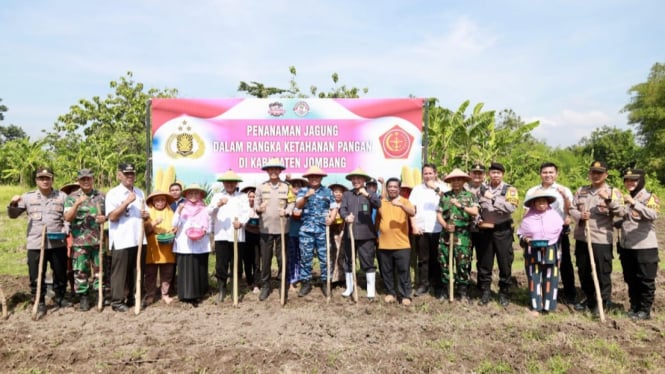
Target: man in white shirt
column 230, row 211
column 127, row 213
column 425, row 198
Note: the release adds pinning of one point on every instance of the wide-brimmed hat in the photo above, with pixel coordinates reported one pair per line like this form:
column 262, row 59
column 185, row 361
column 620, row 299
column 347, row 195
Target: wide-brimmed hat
column 292, row 179
column 358, row 173
column 314, row 170
column 248, row 189
column 229, row 176
column 70, row 187
column 457, row 173
column 537, row 195
column 338, row 185
column 152, row 196
column 194, row 186
column 273, row 163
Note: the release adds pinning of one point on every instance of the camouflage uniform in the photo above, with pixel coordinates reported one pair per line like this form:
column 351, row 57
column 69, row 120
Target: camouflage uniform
column 462, row 248
column 313, row 230
column 85, row 243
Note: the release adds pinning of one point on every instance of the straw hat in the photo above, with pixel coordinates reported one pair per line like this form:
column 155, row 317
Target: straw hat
column 338, row 185
column 169, row 198
column 313, row 171
column 194, row 186
column 248, row 189
column 359, row 173
column 537, row 195
column 229, row 176
column 69, row 188
column 273, row 163
column 457, row 173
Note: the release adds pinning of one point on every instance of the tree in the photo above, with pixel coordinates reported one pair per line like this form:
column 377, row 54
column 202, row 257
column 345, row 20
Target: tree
column 614, row 146
column 646, row 111
column 3, row 109
column 101, row 132
column 259, row 90
column 20, row 158
column 11, row 132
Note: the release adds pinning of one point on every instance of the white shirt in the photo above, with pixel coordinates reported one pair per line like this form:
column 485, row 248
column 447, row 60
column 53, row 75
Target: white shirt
column 184, row 244
column 124, row 233
column 558, row 205
column 222, row 218
column 426, row 202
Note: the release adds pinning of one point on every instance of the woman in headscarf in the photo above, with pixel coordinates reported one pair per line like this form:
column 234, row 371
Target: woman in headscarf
column 539, row 235
column 191, row 245
column 638, row 245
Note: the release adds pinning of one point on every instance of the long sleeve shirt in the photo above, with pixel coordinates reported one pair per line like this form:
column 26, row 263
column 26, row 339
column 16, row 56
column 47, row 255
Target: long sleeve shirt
column 637, row 228
column 361, row 208
column 602, row 213
column 222, row 217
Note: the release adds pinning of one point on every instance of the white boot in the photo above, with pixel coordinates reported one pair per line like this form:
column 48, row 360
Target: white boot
column 349, row 285
column 371, row 285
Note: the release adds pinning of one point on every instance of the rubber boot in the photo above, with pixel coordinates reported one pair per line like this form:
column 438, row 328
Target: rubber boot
column 349, row 285
column 371, row 285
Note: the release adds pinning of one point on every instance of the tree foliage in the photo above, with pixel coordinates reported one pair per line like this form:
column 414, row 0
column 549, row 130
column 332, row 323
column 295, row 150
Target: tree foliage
column 102, row 132
column 646, row 111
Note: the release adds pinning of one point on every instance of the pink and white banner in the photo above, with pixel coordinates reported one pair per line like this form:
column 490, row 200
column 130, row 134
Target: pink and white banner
column 202, row 138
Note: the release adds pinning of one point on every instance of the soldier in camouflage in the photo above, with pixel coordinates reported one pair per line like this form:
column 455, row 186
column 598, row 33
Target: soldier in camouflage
column 84, row 210
column 456, row 213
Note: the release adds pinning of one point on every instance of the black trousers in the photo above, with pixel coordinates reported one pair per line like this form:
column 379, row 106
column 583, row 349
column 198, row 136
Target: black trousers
column 123, row 274
column 57, row 257
column 499, row 243
column 429, row 270
column 566, row 266
column 602, row 255
column 394, row 265
column 639, row 272
column 253, row 249
column 224, row 261
column 365, row 251
column 268, row 241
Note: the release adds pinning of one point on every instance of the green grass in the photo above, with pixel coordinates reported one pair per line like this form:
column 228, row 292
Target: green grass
column 12, row 235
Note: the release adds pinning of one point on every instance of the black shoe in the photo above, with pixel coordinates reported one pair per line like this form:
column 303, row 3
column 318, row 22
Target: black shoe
column 222, row 293
column 61, row 302
column 503, row 299
column 422, row 290
column 84, row 303
column 131, row 302
column 463, row 295
column 41, row 310
column 442, row 293
column 612, row 307
column 324, row 289
column 641, row 315
column 581, row 306
column 484, row 298
column 119, row 307
column 305, row 288
column 265, row 292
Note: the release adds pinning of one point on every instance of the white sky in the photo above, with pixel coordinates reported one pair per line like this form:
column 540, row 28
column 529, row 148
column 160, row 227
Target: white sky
column 568, row 64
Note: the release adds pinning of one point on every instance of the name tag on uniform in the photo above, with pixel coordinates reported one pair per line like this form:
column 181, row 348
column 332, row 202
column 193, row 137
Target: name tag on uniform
column 36, row 216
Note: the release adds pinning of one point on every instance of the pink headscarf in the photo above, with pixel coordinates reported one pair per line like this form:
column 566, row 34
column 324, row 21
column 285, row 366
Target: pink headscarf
column 545, row 225
column 196, row 213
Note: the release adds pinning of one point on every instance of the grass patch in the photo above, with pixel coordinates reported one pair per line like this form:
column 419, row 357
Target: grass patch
column 12, row 236
column 489, row 367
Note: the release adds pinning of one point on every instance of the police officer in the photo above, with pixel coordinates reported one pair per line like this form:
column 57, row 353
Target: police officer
column 44, row 207
column 638, row 246
column 81, row 210
column 317, row 204
column 594, row 208
column 272, row 206
column 457, row 210
column 498, row 201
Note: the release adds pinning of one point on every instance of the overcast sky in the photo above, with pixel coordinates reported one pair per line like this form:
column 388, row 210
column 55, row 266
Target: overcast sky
column 568, row 64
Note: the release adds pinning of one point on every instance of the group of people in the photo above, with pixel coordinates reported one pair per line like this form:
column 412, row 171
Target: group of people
column 438, row 222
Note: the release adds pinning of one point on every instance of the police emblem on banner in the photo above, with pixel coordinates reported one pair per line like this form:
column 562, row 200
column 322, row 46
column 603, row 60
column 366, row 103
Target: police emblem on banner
column 184, row 143
column 396, row 143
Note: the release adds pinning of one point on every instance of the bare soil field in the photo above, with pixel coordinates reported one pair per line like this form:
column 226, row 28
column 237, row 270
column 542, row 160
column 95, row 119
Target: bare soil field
column 308, row 335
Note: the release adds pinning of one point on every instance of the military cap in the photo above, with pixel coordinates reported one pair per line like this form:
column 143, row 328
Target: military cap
column 600, row 166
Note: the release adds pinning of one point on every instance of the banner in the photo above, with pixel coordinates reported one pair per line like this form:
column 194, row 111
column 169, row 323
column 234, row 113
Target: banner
column 199, row 139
